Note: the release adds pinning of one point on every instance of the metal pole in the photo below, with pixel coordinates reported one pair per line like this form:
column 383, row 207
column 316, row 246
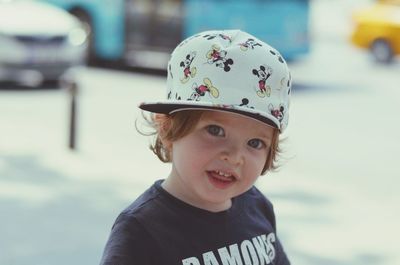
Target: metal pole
column 73, row 91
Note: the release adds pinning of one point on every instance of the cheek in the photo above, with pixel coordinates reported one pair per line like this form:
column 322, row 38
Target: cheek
column 190, row 153
column 256, row 162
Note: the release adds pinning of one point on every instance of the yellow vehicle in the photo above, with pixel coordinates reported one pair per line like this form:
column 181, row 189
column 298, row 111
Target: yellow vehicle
column 378, row 28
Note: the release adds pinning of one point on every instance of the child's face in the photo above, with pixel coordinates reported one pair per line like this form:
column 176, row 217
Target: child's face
column 220, row 159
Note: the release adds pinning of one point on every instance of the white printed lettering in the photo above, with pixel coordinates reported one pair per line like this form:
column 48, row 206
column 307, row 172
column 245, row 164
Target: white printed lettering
column 248, row 253
column 209, row 258
column 271, row 239
column 191, row 261
column 230, row 259
column 261, row 250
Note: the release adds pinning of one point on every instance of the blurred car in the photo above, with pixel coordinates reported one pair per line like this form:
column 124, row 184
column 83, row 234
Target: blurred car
column 378, row 28
column 38, row 42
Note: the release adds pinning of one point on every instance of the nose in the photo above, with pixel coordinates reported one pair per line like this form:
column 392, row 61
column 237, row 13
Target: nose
column 233, row 155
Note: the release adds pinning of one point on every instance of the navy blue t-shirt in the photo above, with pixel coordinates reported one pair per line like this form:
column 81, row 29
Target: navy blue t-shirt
column 160, row 229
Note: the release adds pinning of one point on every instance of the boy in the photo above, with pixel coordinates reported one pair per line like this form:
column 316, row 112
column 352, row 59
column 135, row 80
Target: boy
column 227, row 101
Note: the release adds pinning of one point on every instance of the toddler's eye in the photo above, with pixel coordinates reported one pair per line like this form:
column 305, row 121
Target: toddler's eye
column 256, row 143
column 215, row 130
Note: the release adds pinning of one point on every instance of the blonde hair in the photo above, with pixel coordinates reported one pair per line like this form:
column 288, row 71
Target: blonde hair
column 174, row 126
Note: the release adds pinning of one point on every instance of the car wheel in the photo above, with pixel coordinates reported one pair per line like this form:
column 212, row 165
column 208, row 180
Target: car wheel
column 382, row 51
column 86, row 20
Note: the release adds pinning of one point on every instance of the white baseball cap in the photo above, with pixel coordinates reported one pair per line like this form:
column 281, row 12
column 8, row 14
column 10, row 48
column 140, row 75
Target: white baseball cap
column 227, row 70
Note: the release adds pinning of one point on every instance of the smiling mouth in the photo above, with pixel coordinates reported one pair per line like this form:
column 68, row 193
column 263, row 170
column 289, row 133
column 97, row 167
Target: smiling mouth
column 221, row 179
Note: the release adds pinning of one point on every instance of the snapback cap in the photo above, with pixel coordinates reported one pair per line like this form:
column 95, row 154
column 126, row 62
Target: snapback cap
column 227, row 70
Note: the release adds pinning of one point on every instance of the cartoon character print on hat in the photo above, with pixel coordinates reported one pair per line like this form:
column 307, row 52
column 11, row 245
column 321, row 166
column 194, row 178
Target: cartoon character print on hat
column 289, row 83
column 280, row 59
column 188, row 70
column 249, row 44
column 170, row 71
column 219, row 58
column 200, row 91
column 222, row 36
column 245, row 103
column 177, row 97
column 277, row 112
column 263, row 73
column 283, row 83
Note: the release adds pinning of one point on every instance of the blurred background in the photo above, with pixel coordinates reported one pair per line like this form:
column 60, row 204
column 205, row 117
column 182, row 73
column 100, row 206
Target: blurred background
column 72, row 73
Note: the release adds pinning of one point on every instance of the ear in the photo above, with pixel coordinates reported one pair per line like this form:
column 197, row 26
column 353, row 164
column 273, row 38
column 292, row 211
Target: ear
column 163, row 123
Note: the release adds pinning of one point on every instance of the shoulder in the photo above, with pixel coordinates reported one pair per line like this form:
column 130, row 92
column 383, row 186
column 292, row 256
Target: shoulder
column 127, row 243
column 145, row 200
column 259, row 202
column 132, row 218
column 147, row 206
column 258, row 197
column 129, row 239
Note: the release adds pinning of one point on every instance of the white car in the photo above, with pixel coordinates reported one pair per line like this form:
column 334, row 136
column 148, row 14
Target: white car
column 38, row 42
